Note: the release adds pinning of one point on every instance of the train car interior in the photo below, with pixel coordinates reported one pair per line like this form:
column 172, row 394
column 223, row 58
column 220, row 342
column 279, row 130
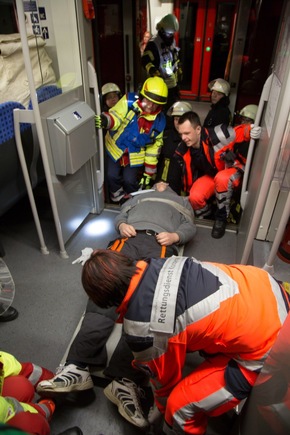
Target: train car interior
column 54, row 201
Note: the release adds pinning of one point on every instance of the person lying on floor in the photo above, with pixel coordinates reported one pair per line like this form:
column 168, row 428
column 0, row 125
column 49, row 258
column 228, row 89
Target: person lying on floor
column 154, row 223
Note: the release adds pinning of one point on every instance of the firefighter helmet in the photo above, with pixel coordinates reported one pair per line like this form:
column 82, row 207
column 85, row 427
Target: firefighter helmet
column 110, row 87
column 168, row 23
column 179, row 108
column 249, row 111
column 220, row 85
column 155, row 90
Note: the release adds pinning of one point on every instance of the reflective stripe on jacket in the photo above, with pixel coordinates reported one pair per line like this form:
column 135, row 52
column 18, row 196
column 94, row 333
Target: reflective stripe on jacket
column 9, row 407
column 126, row 135
column 208, row 159
column 164, row 58
column 181, row 305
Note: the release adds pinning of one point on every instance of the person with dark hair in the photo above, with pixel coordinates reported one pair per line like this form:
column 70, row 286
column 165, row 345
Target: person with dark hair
column 231, row 314
column 206, row 157
column 219, row 112
column 152, row 223
column 169, row 168
column 161, row 57
column 135, row 129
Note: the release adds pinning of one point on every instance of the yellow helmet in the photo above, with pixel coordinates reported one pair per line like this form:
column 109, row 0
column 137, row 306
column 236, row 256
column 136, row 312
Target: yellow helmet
column 220, row 85
column 179, row 108
column 168, row 23
column 110, row 87
column 155, row 90
column 249, row 111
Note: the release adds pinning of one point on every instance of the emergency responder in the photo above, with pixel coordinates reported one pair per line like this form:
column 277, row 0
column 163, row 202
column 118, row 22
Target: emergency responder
column 219, row 96
column 168, row 168
column 17, row 389
column 171, row 307
column 247, row 115
column 151, row 224
column 207, row 164
column 161, row 57
column 135, row 136
column 111, row 94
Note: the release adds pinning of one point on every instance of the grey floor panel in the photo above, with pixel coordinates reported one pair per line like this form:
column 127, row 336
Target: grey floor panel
column 51, row 301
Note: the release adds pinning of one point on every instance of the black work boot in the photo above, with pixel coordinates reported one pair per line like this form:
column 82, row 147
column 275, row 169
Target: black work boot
column 10, row 314
column 218, row 229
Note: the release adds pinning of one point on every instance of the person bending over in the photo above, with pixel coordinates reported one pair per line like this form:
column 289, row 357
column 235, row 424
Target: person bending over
column 172, row 306
column 153, row 223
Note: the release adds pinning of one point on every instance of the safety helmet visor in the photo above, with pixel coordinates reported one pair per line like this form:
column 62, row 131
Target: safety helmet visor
column 155, row 90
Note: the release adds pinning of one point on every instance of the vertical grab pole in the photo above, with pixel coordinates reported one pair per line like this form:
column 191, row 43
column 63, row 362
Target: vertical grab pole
column 26, row 55
column 28, row 117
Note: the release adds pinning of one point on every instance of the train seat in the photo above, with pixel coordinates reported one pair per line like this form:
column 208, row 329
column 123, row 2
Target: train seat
column 11, row 178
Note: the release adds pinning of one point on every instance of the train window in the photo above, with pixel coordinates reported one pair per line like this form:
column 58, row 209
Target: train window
column 53, row 47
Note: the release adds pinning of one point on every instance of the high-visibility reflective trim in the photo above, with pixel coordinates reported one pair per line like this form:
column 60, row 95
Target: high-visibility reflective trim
column 163, row 307
column 36, row 374
column 228, row 289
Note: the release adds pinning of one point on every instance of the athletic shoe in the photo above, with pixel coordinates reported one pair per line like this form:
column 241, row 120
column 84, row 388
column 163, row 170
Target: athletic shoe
column 68, row 378
column 126, row 395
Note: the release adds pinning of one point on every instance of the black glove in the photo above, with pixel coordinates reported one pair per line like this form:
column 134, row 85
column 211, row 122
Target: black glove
column 153, row 72
column 101, row 121
column 229, row 158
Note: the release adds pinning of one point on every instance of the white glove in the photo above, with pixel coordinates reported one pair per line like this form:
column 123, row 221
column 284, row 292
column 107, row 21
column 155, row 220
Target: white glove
column 86, row 253
column 255, row 132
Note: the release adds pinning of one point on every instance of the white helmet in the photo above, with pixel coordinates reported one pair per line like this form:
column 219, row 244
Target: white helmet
column 110, row 87
column 179, row 108
column 169, row 24
column 220, row 85
column 249, row 111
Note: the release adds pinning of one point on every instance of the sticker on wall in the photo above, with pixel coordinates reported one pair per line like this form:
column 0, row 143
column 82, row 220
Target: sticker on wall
column 42, row 13
column 34, row 18
column 45, row 33
column 29, row 6
column 36, row 30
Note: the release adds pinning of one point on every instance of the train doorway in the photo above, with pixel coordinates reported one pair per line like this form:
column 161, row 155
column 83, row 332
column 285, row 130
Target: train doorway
column 205, row 39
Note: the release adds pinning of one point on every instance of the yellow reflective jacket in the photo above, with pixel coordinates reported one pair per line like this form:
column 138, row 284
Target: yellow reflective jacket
column 124, row 134
column 9, row 366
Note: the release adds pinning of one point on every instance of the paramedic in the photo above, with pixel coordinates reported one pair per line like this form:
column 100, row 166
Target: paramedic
column 173, row 306
column 204, row 153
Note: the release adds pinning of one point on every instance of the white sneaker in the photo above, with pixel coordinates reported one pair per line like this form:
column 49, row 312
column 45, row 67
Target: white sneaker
column 126, row 395
column 68, row 378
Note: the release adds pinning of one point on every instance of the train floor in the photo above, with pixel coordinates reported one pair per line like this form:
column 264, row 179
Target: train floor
column 51, row 302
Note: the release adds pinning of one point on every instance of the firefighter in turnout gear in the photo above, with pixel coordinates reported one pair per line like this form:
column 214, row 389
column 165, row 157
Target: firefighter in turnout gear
column 171, row 307
column 219, row 112
column 161, row 57
column 208, row 166
column 135, row 125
